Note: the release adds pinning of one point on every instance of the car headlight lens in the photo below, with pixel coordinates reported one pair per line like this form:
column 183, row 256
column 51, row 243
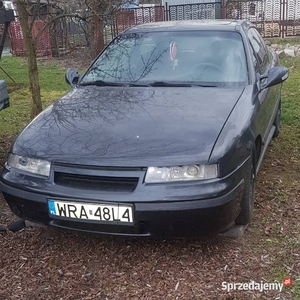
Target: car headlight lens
column 32, row 165
column 184, row 173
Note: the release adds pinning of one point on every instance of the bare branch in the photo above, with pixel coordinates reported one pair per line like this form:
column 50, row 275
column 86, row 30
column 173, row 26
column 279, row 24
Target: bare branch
column 47, row 24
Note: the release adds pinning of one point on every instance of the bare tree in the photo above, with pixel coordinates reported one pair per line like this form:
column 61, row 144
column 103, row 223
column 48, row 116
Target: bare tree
column 29, row 12
column 30, row 43
column 102, row 11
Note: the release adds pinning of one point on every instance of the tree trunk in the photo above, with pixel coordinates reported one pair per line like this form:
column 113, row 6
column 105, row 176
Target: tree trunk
column 98, row 37
column 98, row 8
column 34, row 86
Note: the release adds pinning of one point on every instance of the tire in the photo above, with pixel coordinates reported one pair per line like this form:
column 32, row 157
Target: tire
column 277, row 121
column 247, row 202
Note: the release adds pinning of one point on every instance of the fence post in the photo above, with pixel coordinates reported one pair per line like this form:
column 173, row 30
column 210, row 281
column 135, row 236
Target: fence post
column 283, row 26
column 223, row 9
column 166, row 12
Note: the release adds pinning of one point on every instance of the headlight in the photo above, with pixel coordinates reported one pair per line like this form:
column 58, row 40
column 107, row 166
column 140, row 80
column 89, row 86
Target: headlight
column 184, row 173
column 32, row 165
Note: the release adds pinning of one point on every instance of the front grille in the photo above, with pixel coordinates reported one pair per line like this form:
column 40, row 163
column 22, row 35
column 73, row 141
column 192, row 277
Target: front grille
column 100, row 183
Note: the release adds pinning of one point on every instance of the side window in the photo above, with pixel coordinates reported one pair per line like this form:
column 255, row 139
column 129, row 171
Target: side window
column 260, row 49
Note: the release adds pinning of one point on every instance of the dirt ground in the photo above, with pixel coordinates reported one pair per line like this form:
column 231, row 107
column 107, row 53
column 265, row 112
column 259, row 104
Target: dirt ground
column 78, row 59
column 45, row 263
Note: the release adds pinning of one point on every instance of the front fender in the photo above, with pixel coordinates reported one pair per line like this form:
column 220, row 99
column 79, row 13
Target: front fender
column 237, row 138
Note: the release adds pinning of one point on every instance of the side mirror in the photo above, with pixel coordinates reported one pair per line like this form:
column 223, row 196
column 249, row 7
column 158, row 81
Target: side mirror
column 275, row 76
column 72, row 77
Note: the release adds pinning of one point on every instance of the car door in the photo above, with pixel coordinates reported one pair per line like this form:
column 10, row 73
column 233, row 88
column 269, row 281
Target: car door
column 267, row 97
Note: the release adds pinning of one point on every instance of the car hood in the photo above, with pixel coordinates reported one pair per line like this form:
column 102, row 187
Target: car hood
column 131, row 126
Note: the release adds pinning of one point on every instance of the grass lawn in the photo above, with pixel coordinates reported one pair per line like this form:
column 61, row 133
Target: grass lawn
column 52, row 85
column 291, row 92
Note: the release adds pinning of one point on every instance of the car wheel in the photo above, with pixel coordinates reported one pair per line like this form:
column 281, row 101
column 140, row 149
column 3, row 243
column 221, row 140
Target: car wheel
column 277, row 121
column 247, row 202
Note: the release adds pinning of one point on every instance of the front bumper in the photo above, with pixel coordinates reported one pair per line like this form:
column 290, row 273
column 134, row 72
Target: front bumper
column 164, row 211
column 186, row 218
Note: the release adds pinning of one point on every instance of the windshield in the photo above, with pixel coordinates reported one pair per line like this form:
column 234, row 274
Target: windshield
column 210, row 58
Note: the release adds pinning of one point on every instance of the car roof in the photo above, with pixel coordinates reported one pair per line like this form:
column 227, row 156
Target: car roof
column 188, row 25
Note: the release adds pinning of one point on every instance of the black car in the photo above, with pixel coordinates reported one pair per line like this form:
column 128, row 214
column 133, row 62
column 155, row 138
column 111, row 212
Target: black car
column 4, row 99
column 162, row 136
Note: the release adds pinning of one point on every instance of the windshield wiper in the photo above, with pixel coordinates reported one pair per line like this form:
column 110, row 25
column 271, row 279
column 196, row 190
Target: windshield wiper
column 205, row 85
column 165, row 83
column 138, row 84
column 102, row 83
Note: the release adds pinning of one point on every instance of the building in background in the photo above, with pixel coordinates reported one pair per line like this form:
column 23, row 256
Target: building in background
column 193, row 9
column 179, row 2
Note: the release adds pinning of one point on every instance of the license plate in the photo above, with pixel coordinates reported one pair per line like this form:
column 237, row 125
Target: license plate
column 94, row 212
